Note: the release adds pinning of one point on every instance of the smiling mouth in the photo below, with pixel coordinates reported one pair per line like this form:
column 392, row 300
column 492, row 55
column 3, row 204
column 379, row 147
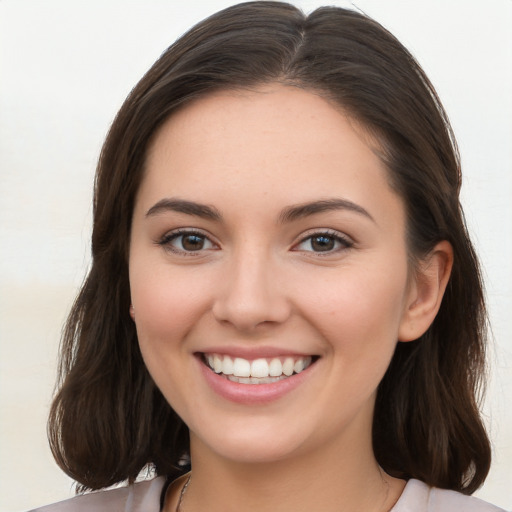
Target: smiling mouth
column 257, row 371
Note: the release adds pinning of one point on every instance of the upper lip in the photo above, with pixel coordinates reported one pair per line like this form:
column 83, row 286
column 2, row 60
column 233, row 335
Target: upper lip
column 253, row 352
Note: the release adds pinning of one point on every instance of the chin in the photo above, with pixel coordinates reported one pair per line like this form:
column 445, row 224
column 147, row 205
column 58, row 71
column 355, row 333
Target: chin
column 250, row 445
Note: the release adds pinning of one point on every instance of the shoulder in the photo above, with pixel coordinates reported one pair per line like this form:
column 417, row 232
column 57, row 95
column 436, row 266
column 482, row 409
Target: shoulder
column 419, row 497
column 139, row 497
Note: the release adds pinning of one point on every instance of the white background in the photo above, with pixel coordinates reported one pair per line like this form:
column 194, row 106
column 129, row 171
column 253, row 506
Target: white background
column 65, row 68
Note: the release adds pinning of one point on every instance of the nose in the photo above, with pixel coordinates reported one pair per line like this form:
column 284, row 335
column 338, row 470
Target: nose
column 252, row 294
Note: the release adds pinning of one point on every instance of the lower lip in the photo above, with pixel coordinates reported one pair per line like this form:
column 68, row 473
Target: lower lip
column 250, row 394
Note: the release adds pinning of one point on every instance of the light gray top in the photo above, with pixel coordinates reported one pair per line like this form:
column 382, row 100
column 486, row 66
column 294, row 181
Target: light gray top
column 145, row 497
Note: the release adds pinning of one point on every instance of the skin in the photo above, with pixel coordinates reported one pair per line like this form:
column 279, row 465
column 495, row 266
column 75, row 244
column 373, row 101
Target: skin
column 256, row 281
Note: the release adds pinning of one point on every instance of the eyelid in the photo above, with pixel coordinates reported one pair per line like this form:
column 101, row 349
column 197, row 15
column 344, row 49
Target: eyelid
column 338, row 236
column 165, row 241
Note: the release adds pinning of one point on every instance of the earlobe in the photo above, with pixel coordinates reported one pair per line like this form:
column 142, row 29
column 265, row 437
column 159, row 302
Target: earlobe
column 426, row 292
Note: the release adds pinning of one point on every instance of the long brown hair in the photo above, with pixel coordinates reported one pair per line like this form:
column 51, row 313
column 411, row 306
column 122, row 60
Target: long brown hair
column 108, row 419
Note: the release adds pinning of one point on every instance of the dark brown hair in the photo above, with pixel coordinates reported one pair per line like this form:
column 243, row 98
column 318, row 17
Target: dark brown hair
column 108, row 419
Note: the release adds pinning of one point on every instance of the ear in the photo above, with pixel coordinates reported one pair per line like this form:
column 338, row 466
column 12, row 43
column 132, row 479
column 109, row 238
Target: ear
column 426, row 292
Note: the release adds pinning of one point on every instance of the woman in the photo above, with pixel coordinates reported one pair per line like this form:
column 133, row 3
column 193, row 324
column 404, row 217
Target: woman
column 284, row 309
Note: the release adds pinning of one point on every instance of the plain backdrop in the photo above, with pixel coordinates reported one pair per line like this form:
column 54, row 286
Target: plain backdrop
column 65, row 68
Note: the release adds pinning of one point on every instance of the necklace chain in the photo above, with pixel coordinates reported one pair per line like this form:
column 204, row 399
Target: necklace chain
column 185, row 486
column 182, row 493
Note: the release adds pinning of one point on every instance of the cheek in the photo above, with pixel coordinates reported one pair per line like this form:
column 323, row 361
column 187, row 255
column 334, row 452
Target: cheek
column 165, row 303
column 167, row 308
column 357, row 311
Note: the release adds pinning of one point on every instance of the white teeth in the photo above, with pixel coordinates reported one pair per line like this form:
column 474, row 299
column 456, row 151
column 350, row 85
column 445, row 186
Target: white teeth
column 258, row 371
column 275, row 368
column 298, row 366
column 288, row 366
column 254, row 380
column 241, row 367
column 259, row 368
column 217, row 364
column 227, row 366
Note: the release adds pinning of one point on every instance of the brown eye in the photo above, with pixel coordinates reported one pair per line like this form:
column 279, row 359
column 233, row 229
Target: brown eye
column 186, row 242
column 192, row 242
column 322, row 243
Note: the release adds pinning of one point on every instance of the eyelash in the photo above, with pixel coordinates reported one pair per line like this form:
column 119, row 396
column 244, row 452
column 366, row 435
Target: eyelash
column 335, row 236
column 168, row 238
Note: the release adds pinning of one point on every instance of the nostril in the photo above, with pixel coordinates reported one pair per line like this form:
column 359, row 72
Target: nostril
column 250, row 316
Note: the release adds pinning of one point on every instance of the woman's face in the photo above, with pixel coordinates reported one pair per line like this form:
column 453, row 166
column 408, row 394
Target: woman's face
column 266, row 239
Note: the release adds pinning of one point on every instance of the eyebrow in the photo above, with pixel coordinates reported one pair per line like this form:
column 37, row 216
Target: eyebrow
column 300, row 211
column 188, row 207
column 289, row 214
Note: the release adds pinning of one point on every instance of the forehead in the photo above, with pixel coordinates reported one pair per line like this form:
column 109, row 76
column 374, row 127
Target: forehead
column 278, row 142
column 284, row 114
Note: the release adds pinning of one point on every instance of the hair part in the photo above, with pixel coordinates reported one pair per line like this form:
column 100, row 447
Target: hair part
column 108, row 420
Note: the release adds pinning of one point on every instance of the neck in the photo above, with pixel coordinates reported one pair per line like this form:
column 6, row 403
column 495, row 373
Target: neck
column 345, row 479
